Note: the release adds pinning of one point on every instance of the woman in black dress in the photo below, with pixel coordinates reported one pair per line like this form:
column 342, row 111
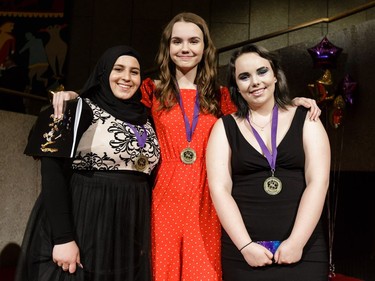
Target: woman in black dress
column 268, row 170
column 92, row 219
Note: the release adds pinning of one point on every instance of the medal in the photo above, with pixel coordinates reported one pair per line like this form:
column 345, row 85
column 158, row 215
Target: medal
column 141, row 163
column 272, row 185
column 188, row 155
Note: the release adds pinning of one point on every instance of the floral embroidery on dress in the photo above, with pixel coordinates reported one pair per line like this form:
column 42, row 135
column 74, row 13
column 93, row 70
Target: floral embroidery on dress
column 98, row 113
column 121, row 145
column 90, row 160
column 124, row 140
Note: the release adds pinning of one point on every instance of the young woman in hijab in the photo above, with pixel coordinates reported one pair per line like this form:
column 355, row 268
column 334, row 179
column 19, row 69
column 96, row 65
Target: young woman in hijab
column 95, row 223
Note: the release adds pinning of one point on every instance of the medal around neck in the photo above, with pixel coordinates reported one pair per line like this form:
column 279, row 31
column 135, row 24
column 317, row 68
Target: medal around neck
column 272, row 185
column 188, row 156
column 141, row 163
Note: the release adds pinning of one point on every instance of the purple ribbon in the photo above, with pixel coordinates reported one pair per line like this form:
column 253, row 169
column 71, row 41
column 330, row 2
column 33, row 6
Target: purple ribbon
column 190, row 129
column 141, row 139
column 271, row 157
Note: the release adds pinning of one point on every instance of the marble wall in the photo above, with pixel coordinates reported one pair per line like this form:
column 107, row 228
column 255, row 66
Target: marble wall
column 19, row 176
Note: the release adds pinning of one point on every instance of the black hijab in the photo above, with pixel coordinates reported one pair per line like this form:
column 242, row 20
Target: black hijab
column 98, row 89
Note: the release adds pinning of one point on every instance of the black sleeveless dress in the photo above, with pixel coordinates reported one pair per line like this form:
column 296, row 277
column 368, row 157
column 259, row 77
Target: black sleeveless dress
column 271, row 217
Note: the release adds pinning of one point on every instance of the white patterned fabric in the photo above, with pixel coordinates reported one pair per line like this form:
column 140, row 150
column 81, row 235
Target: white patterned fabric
column 107, row 131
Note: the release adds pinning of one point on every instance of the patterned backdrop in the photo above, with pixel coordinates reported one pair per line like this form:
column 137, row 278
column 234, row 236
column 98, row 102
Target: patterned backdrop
column 35, row 34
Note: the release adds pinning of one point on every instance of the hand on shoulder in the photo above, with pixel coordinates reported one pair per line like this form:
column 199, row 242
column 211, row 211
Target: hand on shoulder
column 314, row 111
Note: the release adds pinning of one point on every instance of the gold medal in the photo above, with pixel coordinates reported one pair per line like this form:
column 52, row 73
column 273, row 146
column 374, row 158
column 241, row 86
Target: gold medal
column 188, row 155
column 272, row 185
column 141, row 163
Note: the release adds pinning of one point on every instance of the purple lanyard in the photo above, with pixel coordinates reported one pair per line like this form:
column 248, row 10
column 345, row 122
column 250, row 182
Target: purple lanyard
column 271, row 157
column 141, row 139
column 190, row 130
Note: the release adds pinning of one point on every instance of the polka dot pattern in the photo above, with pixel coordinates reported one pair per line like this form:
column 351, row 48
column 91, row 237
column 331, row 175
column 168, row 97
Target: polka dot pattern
column 185, row 228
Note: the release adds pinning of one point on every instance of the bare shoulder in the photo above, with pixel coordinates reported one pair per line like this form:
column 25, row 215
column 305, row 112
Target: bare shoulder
column 288, row 112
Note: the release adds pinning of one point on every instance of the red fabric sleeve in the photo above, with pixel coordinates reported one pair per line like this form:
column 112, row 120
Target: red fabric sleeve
column 147, row 89
column 226, row 104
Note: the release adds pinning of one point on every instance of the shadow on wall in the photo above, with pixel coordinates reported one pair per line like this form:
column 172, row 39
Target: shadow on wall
column 8, row 261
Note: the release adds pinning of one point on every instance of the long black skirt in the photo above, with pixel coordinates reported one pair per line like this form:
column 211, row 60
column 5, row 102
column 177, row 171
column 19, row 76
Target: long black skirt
column 111, row 212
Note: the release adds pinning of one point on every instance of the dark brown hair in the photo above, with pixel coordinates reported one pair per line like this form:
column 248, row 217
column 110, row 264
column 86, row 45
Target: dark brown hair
column 281, row 93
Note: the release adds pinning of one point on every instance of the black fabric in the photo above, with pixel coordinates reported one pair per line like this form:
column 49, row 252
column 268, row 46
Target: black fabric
column 270, row 217
column 55, row 198
column 97, row 88
column 62, row 138
column 13, row 78
column 111, row 215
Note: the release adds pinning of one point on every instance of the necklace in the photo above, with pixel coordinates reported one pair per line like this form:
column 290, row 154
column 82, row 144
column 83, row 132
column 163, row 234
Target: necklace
column 260, row 127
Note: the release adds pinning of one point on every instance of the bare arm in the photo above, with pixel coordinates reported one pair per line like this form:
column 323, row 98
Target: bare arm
column 220, row 184
column 317, row 169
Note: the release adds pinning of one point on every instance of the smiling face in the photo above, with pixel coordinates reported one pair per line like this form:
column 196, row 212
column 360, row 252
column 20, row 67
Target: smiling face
column 125, row 77
column 186, row 46
column 255, row 79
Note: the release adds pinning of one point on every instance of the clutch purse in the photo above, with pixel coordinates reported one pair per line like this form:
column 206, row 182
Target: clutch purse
column 55, row 137
column 270, row 245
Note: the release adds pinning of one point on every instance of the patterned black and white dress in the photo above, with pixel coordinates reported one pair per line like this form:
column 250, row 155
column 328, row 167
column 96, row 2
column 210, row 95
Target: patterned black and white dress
column 106, row 209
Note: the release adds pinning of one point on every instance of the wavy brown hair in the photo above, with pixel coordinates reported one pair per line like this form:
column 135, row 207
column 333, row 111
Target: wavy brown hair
column 206, row 79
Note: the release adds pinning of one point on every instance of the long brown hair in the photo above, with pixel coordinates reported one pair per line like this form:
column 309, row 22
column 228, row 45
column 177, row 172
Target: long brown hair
column 206, row 79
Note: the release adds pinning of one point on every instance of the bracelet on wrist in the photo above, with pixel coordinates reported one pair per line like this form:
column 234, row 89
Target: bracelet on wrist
column 245, row 246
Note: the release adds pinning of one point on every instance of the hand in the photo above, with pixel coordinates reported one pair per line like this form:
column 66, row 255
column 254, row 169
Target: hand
column 288, row 253
column 256, row 255
column 314, row 111
column 67, row 256
column 58, row 101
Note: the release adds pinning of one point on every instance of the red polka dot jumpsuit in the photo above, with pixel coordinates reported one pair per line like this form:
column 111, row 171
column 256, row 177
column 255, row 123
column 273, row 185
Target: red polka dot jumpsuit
column 185, row 228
